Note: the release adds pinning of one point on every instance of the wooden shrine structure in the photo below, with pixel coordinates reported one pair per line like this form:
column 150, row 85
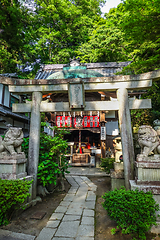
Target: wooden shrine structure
column 76, row 89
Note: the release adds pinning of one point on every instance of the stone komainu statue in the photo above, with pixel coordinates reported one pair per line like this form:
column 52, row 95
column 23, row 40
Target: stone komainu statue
column 12, row 141
column 148, row 140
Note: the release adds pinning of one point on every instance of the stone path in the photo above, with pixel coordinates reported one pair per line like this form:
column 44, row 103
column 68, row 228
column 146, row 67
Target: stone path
column 73, row 219
column 85, row 171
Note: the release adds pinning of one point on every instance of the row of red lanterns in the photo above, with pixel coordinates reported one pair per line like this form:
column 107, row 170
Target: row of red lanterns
column 77, row 122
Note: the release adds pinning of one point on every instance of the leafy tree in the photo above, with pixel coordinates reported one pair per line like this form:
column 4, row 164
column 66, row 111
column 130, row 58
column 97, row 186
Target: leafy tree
column 128, row 32
column 62, row 25
column 14, row 35
column 106, row 40
column 141, row 28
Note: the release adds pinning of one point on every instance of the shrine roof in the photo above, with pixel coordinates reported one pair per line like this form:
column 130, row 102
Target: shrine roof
column 153, row 75
column 102, row 69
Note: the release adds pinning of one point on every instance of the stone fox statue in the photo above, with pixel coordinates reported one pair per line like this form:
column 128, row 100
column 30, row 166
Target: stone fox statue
column 12, row 141
column 148, row 140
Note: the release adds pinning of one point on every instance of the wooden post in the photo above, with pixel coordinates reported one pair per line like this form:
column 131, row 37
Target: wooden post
column 34, row 139
column 126, row 135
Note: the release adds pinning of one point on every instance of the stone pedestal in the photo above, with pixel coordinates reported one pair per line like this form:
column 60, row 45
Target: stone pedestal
column 13, row 167
column 148, row 170
column 118, row 166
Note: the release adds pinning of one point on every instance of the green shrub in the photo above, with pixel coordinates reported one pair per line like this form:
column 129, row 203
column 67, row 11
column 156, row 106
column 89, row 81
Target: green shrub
column 52, row 151
column 134, row 211
column 107, row 164
column 13, row 193
column 47, row 172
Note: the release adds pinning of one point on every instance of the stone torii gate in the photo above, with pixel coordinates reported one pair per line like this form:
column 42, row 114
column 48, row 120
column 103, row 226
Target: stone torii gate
column 77, row 87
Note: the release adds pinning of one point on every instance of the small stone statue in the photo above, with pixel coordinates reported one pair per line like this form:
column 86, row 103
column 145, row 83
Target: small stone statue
column 148, row 140
column 12, row 141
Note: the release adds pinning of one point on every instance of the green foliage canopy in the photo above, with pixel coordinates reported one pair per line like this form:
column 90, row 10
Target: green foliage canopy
column 62, row 25
column 15, row 35
column 141, row 28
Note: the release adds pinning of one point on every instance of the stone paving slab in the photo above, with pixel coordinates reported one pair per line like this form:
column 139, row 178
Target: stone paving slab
column 90, row 193
column 85, row 231
column 64, row 203
column 4, row 237
column 86, row 179
column 69, row 197
column 79, row 180
column 91, row 197
column 74, row 211
column 90, row 204
column 62, row 238
column 46, row 233
column 8, row 235
column 67, row 229
column 81, row 195
column 78, row 199
column 52, row 224
column 81, row 171
column 61, row 209
column 72, row 190
column 83, row 188
column 56, row 216
column 87, row 220
column 71, row 218
column 77, row 205
column 72, row 181
column 85, row 238
column 88, row 213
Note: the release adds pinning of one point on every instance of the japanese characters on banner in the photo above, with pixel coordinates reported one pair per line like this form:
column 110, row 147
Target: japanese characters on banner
column 78, row 122
column 63, row 121
column 103, row 133
column 90, row 121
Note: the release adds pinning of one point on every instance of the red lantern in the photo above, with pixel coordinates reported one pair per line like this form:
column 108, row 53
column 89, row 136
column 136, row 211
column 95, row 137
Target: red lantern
column 91, row 121
column 68, row 121
column 85, row 121
column 95, row 121
column 62, row 121
column 59, row 121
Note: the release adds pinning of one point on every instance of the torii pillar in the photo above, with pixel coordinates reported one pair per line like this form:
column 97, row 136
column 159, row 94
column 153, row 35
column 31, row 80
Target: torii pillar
column 126, row 135
column 34, row 139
